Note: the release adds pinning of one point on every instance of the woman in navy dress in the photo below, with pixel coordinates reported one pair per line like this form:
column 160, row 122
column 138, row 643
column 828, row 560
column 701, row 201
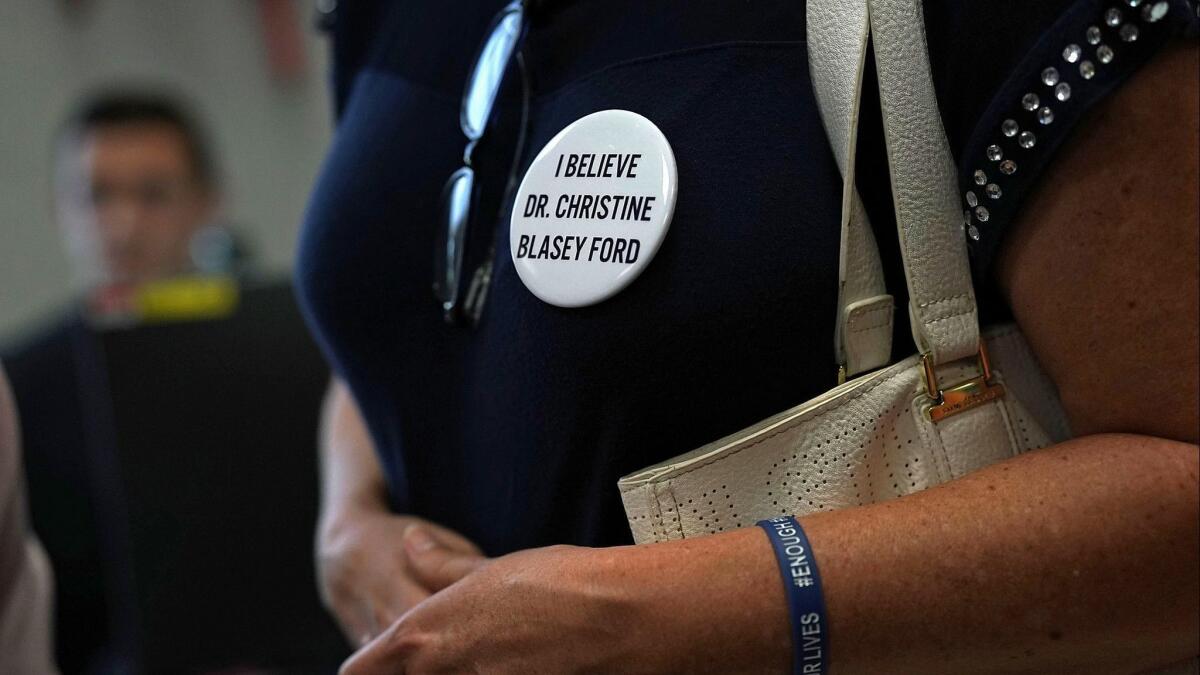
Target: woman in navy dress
column 471, row 520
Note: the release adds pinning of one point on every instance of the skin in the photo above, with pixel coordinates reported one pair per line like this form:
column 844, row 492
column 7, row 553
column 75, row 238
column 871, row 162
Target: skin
column 129, row 201
column 363, row 568
column 25, row 578
column 1082, row 557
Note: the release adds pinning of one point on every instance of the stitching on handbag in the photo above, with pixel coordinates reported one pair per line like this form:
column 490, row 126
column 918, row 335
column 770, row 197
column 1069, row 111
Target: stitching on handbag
column 1000, row 407
column 661, row 534
column 675, row 503
column 930, row 322
column 648, row 501
column 863, row 329
column 789, row 427
column 1010, row 412
column 923, row 305
column 856, row 313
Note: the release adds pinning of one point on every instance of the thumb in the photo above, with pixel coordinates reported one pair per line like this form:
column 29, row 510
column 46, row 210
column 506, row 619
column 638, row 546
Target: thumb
column 432, row 564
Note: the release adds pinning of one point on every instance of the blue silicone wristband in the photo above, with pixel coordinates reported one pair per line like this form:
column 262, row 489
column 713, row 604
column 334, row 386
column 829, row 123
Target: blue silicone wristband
column 802, row 585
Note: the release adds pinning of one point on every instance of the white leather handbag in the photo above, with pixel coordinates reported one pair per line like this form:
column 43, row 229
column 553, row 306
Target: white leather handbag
column 965, row 402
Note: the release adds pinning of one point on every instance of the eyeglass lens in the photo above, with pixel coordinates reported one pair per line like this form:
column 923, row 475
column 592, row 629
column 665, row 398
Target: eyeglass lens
column 480, row 94
column 452, row 231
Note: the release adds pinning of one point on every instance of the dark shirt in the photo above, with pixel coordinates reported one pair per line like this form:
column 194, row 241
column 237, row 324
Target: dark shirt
column 515, row 431
column 48, row 384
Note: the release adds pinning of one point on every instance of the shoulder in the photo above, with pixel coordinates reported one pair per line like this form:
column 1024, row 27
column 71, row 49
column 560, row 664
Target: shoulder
column 1101, row 268
column 1016, row 79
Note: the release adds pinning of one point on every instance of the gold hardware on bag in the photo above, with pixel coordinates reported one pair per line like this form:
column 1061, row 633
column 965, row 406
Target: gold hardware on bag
column 965, row 395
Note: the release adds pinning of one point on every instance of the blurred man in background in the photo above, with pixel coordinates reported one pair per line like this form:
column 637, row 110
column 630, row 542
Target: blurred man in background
column 168, row 479
column 136, row 196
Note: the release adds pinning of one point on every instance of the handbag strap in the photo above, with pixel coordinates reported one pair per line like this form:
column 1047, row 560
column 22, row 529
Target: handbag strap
column 942, row 307
column 837, row 34
column 945, row 322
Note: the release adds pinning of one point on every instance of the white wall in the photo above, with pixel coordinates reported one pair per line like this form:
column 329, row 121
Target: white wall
column 269, row 136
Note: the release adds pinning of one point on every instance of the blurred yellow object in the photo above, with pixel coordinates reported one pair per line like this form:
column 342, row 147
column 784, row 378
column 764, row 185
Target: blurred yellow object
column 186, row 299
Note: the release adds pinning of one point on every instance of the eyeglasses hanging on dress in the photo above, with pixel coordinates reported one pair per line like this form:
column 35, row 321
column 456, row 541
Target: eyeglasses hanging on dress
column 460, row 195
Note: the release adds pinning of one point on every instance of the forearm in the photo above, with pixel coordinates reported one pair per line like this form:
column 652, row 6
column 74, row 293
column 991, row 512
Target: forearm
column 351, row 477
column 1082, row 556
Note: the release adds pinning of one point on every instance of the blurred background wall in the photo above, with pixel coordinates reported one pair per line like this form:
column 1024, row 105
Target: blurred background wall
column 269, row 121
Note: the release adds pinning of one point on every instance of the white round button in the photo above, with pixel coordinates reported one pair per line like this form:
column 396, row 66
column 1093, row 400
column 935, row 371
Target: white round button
column 593, row 208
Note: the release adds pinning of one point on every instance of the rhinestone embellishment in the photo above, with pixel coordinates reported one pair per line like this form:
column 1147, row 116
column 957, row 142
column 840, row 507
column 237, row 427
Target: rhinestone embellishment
column 1124, row 26
column 1155, row 11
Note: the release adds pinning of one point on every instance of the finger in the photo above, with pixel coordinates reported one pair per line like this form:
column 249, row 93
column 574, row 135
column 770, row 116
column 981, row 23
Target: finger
column 453, row 540
column 403, row 595
column 386, row 654
column 433, row 565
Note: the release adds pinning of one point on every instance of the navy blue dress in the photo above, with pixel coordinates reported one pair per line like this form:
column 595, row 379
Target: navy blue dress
column 515, row 431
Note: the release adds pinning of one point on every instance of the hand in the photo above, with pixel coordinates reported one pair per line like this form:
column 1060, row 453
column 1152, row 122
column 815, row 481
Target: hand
column 533, row 611
column 364, row 573
column 709, row 605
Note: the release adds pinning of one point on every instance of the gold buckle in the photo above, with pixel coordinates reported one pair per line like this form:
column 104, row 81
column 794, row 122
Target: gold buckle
column 965, row 395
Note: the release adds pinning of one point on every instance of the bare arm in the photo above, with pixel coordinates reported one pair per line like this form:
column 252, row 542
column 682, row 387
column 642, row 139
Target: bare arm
column 361, row 546
column 351, row 478
column 26, row 580
column 1102, row 272
column 1082, row 557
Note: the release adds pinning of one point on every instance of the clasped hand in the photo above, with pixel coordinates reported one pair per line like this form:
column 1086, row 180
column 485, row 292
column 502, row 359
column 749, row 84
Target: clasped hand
column 533, row 611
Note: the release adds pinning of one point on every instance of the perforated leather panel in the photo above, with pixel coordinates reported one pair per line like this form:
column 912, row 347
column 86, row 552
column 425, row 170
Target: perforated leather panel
column 868, row 442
